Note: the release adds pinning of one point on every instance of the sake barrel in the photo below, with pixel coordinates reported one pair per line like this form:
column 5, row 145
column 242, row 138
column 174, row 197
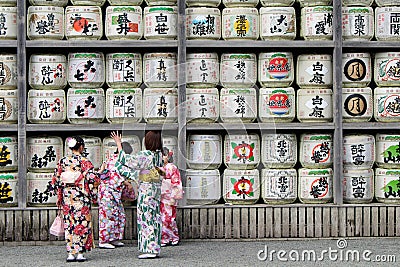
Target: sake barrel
column 202, row 70
column 304, row 3
column 46, row 106
column 277, row 23
column 124, row 105
column 240, row 23
column 358, row 23
column 242, row 151
column 315, row 185
column 8, row 3
column 314, row 105
column 316, row 23
column 276, row 104
column 241, row 186
column 9, row 189
column 85, row 106
column 386, row 2
column 314, row 71
column 124, row 70
column 279, row 3
column 123, row 23
column 88, row 2
column 279, row 186
column 160, row 22
column 160, row 69
column 356, row 69
column 238, row 105
column 203, row 23
column 316, row 150
column 170, row 142
column 358, row 151
column 385, row 69
column 358, row 186
column 83, row 22
column 160, row 105
column 8, row 71
column 358, row 2
column 8, row 153
column 387, row 151
column 240, row 3
column 387, row 185
column 203, row 3
column 202, row 187
column 86, row 70
column 204, row 151
column 161, row 2
column 357, row 104
column 47, row 71
column 43, row 153
column 45, row 22
column 386, row 104
column 238, row 70
column 125, row 2
column 93, row 150
column 62, row 3
column 39, row 189
column 202, row 105
column 386, row 23
column 8, row 26
column 279, row 150
column 110, row 147
column 275, row 69
column 8, row 106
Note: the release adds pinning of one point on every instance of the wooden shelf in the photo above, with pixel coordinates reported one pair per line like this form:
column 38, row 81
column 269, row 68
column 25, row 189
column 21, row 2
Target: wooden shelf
column 371, row 126
column 100, row 127
column 8, row 127
column 102, row 43
column 370, row 44
column 259, row 44
column 259, row 126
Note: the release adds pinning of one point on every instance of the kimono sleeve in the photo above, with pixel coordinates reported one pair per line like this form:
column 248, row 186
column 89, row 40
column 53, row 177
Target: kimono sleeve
column 176, row 182
column 55, row 183
column 128, row 165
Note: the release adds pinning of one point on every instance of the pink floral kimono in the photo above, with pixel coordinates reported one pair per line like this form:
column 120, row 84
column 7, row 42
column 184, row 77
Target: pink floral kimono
column 111, row 210
column 171, row 191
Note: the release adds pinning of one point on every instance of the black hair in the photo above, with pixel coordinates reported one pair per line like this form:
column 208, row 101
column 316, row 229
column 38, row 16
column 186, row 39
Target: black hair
column 126, row 147
column 165, row 152
column 79, row 142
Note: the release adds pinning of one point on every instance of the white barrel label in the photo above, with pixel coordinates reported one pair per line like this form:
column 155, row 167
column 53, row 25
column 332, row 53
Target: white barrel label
column 8, row 189
column 8, row 153
column 83, row 22
column 8, row 106
column 279, row 184
column 44, row 153
column 202, row 104
column 85, row 104
column 241, row 186
column 238, row 105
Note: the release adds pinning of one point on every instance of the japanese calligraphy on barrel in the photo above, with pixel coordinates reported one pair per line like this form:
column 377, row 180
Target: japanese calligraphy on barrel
column 43, row 153
column 315, row 185
column 46, row 106
column 47, row 71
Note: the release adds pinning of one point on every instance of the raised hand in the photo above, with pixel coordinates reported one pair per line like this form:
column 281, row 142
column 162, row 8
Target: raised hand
column 117, row 138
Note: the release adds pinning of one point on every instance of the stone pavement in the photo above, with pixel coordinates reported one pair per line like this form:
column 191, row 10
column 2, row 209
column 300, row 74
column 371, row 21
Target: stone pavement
column 280, row 252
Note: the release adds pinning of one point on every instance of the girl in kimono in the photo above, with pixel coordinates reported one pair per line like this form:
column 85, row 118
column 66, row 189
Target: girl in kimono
column 75, row 182
column 171, row 191
column 149, row 192
column 111, row 210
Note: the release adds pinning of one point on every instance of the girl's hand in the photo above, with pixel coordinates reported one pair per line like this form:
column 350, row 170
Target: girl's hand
column 117, row 138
